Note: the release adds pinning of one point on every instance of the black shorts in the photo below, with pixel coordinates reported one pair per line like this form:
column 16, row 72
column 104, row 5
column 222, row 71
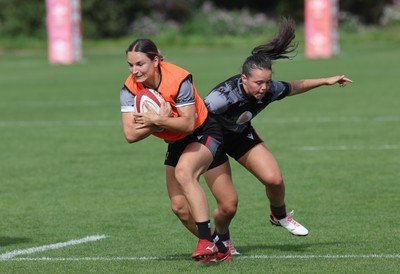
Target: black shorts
column 208, row 134
column 236, row 145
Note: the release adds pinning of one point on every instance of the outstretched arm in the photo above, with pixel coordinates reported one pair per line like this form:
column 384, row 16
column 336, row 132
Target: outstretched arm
column 305, row 85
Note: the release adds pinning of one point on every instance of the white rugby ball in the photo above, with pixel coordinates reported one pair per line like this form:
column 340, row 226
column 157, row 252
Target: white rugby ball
column 149, row 96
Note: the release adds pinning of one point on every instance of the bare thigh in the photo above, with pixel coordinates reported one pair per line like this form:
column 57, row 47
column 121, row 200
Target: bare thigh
column 262, row 164
column 219, row 180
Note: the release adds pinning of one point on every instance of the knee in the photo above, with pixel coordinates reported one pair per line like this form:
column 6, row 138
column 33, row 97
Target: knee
column 182, row 174
column 273, row 180
column 228, row 208
column 180, row 209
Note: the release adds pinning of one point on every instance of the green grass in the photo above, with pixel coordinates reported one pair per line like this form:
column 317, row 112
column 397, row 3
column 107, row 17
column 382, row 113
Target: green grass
column 67, row 173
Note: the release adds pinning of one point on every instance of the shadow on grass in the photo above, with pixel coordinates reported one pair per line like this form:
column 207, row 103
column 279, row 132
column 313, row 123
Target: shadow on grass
column 249, row 250
column 4, row 241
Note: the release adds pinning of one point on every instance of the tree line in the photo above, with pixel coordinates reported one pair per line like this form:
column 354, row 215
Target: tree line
column 113, row 19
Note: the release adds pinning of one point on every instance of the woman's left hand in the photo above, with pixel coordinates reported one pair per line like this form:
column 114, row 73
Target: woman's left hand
column 341, row 80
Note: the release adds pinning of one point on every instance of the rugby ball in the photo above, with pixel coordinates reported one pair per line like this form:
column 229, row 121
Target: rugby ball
column 149, row 96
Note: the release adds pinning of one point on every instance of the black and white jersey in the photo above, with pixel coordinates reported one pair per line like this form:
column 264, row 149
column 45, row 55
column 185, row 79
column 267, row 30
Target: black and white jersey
column 234, row 109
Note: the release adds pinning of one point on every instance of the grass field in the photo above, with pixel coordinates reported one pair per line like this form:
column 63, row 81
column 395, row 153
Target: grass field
column 67, row 173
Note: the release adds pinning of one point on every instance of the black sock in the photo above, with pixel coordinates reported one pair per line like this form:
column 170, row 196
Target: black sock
column 204, row 230
column 223, row 237
column 279, row 212
column 218, row 242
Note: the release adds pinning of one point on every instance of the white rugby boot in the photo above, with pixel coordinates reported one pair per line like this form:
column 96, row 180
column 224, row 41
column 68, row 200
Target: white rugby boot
column 229, row 245
column 291, row 225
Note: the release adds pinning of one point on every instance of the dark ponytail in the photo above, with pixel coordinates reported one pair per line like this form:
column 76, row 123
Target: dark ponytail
column 278, row 48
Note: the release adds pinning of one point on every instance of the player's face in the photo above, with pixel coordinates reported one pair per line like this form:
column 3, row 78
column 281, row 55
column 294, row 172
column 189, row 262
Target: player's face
column 142, row 67
column 257, row 83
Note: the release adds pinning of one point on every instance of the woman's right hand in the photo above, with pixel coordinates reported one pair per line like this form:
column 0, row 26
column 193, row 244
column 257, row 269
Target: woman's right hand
column 166, row 109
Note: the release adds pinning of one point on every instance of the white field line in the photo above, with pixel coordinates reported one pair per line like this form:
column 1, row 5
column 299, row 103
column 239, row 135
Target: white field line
column 40, row 104
column 12, row 254
column 327, row 119
column 76, row 123
column 350, row 147
column 253, row 257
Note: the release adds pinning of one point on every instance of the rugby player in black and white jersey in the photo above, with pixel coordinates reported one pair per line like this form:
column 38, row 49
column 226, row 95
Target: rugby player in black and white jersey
column 234, row 103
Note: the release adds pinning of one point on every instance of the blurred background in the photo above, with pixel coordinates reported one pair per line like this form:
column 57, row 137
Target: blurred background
column 188, row 22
